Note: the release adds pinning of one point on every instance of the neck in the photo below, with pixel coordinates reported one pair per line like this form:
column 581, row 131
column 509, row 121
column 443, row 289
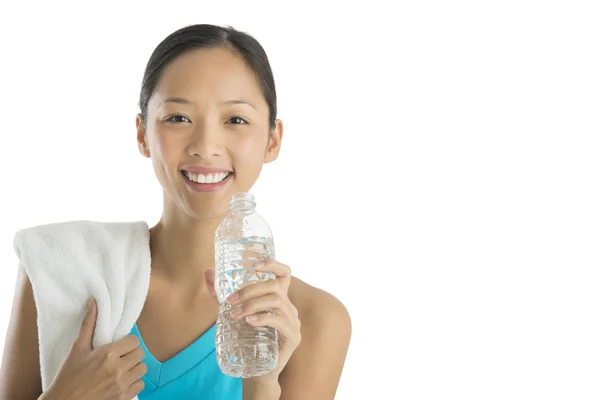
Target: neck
column 183, row 247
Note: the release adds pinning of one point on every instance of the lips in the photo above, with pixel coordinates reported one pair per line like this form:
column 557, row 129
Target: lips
column 206, row 178
column 194, row 181
column 199, row 169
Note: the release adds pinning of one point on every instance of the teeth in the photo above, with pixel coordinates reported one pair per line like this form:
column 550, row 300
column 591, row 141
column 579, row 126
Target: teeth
column 206, row 178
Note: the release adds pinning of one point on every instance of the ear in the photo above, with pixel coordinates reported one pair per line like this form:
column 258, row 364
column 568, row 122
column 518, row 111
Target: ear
column 274, row 145
column 141, row 136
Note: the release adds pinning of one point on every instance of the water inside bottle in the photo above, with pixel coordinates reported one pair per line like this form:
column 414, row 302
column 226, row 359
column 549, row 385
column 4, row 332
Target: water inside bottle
column 242, row 349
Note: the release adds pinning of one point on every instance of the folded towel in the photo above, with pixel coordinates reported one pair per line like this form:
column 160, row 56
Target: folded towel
column 70, row 262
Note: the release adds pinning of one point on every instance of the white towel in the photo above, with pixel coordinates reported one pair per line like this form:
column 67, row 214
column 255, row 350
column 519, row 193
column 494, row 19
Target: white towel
column 70, row 262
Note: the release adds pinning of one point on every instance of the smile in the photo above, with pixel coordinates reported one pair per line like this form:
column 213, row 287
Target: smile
column 206, row 178
column 206, row 182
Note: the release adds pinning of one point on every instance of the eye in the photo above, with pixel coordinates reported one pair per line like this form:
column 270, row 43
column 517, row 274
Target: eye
column 237, row 121
column 177, row 119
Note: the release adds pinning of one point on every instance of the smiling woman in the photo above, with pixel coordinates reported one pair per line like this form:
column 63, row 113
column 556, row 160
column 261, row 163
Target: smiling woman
column 208, row 124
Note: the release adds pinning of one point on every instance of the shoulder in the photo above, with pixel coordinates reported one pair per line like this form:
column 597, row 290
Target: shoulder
column 21, row 350
column 315, row 368
column 64, row 247
column 73, row 233
column 326, row 323
column 318, row 308
column 67, row 228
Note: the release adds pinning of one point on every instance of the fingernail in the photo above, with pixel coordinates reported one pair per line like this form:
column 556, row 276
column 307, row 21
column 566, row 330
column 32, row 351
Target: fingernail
column 236, row 311
column 259, row 265
column 89, row 304
column 251, row 317
column 233, row 297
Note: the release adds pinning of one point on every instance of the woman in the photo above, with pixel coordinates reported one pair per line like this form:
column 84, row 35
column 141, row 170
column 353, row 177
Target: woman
column 208, row 112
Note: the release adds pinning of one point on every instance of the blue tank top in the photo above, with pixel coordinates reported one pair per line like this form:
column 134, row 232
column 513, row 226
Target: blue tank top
column 192, row 373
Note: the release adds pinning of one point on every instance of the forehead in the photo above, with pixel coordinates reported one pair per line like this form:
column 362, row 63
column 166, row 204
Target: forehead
column 210, row 74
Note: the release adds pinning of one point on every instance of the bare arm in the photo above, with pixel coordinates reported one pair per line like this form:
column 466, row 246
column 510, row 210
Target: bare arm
column 315, row 368
column 20, row 377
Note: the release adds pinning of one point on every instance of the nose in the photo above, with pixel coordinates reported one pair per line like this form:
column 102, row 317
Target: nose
column 206, row 142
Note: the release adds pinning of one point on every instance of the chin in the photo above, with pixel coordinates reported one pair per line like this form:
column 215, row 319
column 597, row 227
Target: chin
column 201, row 210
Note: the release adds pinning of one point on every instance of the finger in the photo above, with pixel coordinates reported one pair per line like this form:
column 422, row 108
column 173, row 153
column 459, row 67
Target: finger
column 209, row 279
column 254, row 290
column 135, row 389
column 136, row 373
column 282, row 272
column 270, row 302
column 125, row 345
column 88, row 325
column 277, row 268
column 133, row 358
column 290, row 329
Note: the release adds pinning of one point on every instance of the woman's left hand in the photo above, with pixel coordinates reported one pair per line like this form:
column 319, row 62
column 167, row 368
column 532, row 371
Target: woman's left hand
column 270, row 295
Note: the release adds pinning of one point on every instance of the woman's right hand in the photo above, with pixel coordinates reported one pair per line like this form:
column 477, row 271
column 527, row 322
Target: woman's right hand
column 111, row 372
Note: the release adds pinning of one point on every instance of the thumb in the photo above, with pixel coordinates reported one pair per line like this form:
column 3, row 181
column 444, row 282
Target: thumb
column 209, row 278
column 86, row 333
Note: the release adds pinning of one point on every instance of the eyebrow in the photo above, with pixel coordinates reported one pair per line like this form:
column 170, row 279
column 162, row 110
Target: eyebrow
column 181, row 100
column 178, row 100
column 229, row 102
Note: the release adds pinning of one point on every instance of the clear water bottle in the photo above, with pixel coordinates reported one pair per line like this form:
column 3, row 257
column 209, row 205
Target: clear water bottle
column 242, row 239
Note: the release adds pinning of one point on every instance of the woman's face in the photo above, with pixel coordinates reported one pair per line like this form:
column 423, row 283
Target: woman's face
column 206, row 121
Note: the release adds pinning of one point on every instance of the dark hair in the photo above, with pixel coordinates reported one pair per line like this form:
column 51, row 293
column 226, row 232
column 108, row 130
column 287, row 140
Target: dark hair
column 207, row 36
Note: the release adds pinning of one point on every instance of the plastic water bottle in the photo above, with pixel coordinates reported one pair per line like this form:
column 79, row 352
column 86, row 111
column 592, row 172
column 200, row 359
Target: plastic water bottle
column 242, row 239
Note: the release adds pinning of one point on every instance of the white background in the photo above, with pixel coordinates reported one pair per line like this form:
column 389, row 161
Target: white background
column 439, row 171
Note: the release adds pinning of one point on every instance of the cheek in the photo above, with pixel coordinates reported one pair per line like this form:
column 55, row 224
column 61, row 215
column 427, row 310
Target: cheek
column 165, row 151
column 248, row 157
column 249, row 151
column 163, row 147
